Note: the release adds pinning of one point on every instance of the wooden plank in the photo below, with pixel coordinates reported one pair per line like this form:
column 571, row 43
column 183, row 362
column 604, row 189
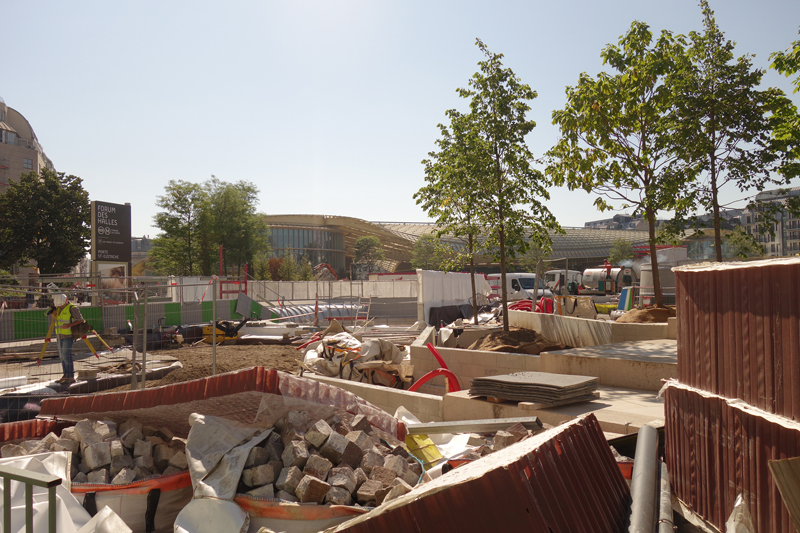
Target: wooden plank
column 489, row 425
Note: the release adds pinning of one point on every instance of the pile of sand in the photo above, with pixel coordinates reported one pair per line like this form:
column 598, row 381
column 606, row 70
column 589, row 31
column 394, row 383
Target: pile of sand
column 517, row 340
column 647, row 316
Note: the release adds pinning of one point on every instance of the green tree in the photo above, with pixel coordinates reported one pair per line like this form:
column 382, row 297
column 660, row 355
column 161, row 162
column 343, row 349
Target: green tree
column 306, row 271
column 620, row 251
column 786, row 133
column 176, row 251
column 288, row 269
column 198, row 218
column 431, row 253
column 45, row 218
column 614, row 133
column 368, row 251
column 261, row 270
column 742, row 244
column 449, row 195
column 722, row 122
column 504, row 194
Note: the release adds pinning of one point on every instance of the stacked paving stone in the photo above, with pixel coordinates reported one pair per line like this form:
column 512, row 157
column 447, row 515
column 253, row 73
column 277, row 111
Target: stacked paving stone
column 328, row 461
column 103, row 452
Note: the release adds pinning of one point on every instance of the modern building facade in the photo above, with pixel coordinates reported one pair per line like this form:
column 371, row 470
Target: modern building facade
column 20, row 151
column 785, row 239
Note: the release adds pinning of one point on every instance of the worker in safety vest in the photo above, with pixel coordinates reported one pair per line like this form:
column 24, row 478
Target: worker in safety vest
column 65, row 315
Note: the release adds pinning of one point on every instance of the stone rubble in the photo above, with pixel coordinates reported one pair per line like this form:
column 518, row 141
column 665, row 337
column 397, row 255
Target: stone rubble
column 106, row 452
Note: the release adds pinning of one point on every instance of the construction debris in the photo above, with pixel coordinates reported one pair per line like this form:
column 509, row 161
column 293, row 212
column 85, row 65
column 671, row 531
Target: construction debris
column 105, row 453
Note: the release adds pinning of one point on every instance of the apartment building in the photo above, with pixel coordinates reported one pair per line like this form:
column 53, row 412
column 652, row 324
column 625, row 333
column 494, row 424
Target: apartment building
column 20, row 151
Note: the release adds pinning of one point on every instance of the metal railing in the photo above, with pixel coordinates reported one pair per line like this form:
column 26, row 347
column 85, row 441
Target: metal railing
column 31, row 479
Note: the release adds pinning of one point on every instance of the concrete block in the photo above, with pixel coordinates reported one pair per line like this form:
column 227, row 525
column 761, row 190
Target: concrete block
column 258, row 456
column 274, row 447
column 361, row 476
column 12, row 450
column 400, row 451
column 352, row 455
column 503, row 439
column 164, row 434
column 277, row 466
column 65, row 445
column 396, row 490
column 288, row 479
column 343, row 477
column 295, row 454
column 318, row 467
column 89, row 439
column 286, row 496
column 297, row 420
column 338, row 496
column 83, row 467
column 106, row 429
column 49, row 439
column 161, row 456
column 130, row 437
column 98, row 476
column 258, row 476
column 145, row 462
column 396, row 463
column 155, row 441
column 125, row 476
column 289, row 434
column 179, row 461
column 361, row 439
column 318, row 433
column 116, row 447
column 366, row 492
column 148, row 431
column 80, row 477
column 69, row 433
column 141, row 473
column 360, row 423
column 264, row 491
column 128, row 425
column 119, row 463
column 177, row 444
column 334, row 448
column 97, row 455
column 312, row 489
column 370, row 460
column 142, row 447
column 383, row 475
column 410, row 477
column 171, row 471
column 83, row 428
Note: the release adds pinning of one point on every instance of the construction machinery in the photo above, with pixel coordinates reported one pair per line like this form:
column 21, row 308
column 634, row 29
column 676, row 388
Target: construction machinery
column 226, row 331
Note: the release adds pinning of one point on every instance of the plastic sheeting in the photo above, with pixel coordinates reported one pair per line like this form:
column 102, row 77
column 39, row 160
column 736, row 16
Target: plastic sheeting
column 439, row 289
column 70, row 515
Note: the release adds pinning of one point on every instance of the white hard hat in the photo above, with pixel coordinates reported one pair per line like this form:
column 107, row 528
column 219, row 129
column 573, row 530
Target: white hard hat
column 59, row 299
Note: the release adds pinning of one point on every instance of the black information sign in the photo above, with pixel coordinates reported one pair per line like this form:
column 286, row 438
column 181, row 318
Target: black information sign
column 111, row 232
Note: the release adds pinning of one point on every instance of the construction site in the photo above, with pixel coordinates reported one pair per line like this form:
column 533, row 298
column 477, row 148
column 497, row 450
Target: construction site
column 210, row 405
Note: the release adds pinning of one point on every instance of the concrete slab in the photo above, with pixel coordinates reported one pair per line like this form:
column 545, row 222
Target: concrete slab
column 653, row 351
column 620, row 411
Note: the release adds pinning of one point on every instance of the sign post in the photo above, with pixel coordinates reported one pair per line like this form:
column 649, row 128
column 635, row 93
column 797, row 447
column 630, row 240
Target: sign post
column 111, row 246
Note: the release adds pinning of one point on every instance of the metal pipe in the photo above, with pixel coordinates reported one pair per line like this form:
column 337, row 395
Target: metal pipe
column 665, row 523
column 214, row 328
column 144, row 344
column 644, row 482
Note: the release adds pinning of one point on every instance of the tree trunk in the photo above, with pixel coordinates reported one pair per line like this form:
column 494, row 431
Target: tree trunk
column 472, row 278
column 715, row 208
column 651, row 223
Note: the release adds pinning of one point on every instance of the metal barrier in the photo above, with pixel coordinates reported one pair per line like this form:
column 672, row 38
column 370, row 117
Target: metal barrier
column 31, row 479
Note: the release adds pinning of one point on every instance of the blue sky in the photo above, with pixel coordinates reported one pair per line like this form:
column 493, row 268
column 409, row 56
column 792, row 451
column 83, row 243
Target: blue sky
column 327, row 106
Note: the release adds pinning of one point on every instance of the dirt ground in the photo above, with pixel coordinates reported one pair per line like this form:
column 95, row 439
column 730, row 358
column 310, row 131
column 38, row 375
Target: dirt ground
column 647, row 316
column 517, row 340
column 196, row 361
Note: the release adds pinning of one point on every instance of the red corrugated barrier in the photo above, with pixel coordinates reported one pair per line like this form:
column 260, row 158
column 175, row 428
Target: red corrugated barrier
column 562, row 481
column 717, row 447
column 739, row 332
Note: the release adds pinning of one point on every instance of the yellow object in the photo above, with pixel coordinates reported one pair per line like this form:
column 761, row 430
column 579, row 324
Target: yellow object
column 221, row 337
column 64, row 317
column 44, row 346
column 423, row 448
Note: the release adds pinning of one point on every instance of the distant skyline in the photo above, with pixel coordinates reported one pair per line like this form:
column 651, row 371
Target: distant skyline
column 327, row 107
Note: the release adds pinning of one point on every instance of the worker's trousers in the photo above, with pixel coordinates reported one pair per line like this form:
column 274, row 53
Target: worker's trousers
column 65, row 354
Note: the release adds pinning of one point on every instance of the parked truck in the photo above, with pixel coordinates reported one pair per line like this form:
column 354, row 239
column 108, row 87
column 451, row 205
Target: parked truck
column 520, row 286
column 556, row 280
column 607, row 281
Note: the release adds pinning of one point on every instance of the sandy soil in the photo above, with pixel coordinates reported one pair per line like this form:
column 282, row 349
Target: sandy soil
column 647, row 316
column 196, row 361
column 517, row 340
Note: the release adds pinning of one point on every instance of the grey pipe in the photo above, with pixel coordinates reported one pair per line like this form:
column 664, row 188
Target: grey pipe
column 665, row 524
column 644, row 482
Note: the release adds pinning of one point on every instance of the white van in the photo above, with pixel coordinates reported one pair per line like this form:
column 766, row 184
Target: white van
column 552, row 277
column 520, row 285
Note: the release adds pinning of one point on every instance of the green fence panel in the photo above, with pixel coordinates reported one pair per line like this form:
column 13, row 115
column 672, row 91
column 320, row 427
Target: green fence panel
column 233, row 309
column 207, row 311
column 94, row 316
column 129, row 313
column 31, row 324
column 256, row 309
column 172, row 313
